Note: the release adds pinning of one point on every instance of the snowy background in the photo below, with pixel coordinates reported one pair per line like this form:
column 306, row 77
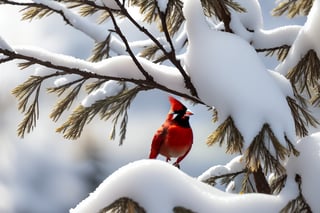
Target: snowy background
column 44, row 172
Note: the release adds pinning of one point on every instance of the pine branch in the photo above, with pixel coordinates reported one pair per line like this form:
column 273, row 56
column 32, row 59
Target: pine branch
column 90, row 75
column 170, row 22
column 65, row 103
column 278, row 183
column 150, row 53
column 101, row 50
column 306, row 73
column 298, row 204
column 111, row 107
column 89, row 8
column 302, row 117
column 123, row 204
column 225, row 178
column 36, row 10
column 293, row 8
column 173, row 15
column 173, row 60
column 227, row 132
column 258, row 154
column 94, row 85
column 220, row 8
column 315, row 100
column 247, row 186
column 24, row 92
column 261, row 182
column 128, row 48
column 163, row 16
column 281, row 51
column 180, row 209
column 74, row 126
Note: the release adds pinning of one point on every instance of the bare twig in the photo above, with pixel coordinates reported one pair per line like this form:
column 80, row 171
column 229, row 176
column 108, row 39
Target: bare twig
column 173, row 60
column 125, row 41
column 165, row 30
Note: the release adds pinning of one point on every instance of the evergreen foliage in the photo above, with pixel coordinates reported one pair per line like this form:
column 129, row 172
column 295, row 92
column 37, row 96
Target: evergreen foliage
column 258, row 159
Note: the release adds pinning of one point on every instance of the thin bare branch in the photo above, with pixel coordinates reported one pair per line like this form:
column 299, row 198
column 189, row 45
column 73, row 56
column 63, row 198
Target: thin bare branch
column 128, row 48
column 173, row 60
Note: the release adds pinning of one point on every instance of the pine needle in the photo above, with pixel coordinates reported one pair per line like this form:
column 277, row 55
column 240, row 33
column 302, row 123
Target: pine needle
column 123, row 204
column 114, row 107
column 30, row 89
column 293, row 8
column 258, row 153
column 227, row 132
column 299, row 204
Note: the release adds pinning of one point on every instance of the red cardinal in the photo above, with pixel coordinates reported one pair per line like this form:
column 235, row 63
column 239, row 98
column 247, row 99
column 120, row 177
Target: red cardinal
column 174, row 138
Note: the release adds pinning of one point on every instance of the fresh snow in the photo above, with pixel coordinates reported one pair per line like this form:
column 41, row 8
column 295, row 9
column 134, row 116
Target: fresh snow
column 162, row 4
column 158, row 187
column 235, row 165
column 308, row 167
column 308, row 38
column 109, row 3
column 249, row 26
column 91, row 29
column 264, row 39
column 117, row 67
column 4, row 45
column 229, row 76
column 65, row 79
column 110, row 88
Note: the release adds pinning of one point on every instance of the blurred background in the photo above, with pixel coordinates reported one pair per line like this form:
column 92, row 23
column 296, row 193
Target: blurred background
column 43, row 172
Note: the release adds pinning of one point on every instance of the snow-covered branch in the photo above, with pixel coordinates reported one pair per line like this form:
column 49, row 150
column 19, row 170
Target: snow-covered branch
column 257, row 110
column 91, row 29
column 174, row 188
column 159, row 187
column 121, row 68
column 169, row 54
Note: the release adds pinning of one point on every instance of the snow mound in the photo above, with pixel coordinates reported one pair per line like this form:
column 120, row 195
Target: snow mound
column 308, row 167
column 159, row 187
column 308, row 38
column 229, row 75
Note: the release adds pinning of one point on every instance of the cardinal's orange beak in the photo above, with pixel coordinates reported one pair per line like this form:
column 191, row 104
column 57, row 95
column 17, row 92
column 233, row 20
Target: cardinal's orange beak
column 188, row 113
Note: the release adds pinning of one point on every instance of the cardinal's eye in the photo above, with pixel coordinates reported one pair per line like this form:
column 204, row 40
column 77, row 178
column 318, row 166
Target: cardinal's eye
column 175, row 114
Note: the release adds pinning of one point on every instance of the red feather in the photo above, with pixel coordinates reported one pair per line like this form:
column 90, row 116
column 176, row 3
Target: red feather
column 174, row 138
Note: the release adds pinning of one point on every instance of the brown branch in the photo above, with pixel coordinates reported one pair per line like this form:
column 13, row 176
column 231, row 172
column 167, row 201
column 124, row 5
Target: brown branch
column 172, row 54
column 212, row 180
column 224, row 15
column 128, row 49
column 284, row 46
column 261, row 182
column 165, row 30
column 173, row 60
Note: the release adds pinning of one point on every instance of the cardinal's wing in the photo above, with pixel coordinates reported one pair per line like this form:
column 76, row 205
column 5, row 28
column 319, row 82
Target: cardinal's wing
column 157, row 141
